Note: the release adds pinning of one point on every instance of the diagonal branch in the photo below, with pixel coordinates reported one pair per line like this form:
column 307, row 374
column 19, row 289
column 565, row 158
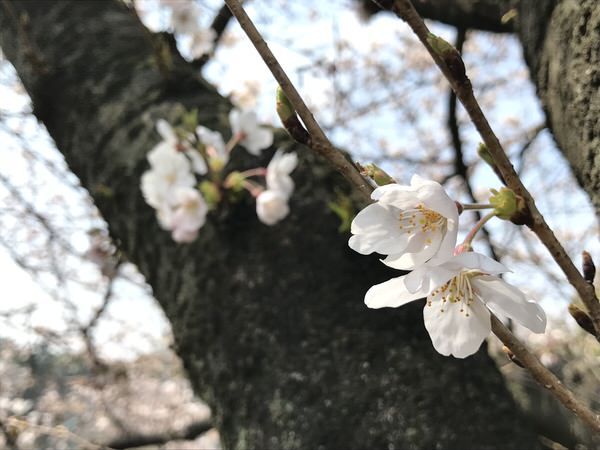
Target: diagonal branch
column 219, row 24
column 319, row 141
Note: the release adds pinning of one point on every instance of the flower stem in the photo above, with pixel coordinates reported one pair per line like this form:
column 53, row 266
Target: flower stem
column 257, row 172
column 466, row 245
column 235, row 140
column 466, row 206
column 254, row 189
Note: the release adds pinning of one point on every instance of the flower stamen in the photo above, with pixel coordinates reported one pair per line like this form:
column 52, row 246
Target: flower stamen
column 421, row 219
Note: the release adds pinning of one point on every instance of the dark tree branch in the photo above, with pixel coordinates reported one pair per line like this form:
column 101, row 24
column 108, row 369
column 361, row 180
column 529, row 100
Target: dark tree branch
column 219, row 25
column 483, row 15
column 189, row 433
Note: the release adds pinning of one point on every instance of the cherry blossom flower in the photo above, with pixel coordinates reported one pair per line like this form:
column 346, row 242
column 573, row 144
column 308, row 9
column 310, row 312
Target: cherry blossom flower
column 412, row 225
column 215, row 146
column 185, row 16
column 188, row 216
column 251, row 135
column 278, row 172
column 460, row 293
column 169, row 169
column 202, row 42
column 171, row 140
column 271, row 207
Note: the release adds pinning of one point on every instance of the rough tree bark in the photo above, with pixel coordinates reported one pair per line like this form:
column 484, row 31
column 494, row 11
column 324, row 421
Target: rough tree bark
column 269, row 322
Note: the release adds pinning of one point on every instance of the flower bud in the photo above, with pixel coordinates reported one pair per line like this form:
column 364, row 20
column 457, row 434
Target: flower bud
column 589, row 269
column 285, row 110
column 211, row 193
column 289, row 119
column 450, row 56
column 376, row 173
column 509, row 206
column 235, row 181
column 582, row 319
column 484, row 154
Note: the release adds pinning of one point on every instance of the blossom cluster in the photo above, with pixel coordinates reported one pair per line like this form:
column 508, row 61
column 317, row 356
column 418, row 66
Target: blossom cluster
column 171, row 186
column 415, row 227
column 185, row 21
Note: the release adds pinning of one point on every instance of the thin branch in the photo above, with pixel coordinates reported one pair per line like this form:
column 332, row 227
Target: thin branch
column 218, row 25
column 319, row 141
column 542, row 375
column 464, row 92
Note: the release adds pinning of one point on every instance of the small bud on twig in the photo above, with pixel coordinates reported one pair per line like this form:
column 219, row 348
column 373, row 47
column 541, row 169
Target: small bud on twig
column 582, row 319
column 510, row 355
column 589, row 269
column 510, row 206
column 450, row 56
column 376, row 173
column 211, row 193
column 484, row 154
column 289, row 118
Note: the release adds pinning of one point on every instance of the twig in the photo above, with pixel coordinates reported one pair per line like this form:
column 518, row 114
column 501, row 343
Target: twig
column 319, row 141
column 543, row 375
column 464, row 92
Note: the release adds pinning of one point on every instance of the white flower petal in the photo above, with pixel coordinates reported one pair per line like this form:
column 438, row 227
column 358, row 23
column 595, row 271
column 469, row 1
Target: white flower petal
column 234, row 120
column 418, row 251
column 503, row 298
column 427, row 278
column 198, row 163
column 271, row 207
column 434, row 197
column 477, row 261
column 258, row 140
column 454, row 333
column 391, row 294
column 376, row 229
column 165, row 130
column 278, row 172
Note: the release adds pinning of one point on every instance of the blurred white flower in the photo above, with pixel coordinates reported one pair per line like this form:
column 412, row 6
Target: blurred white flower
column 278, row 172
column 169, row 169
column 252, row 136
column 185, row 16
column 214, row 144
column 202, row 42
column 271, row 207
column 189, row 215
column 171, row 140
column 460, row 293
column 412, row 225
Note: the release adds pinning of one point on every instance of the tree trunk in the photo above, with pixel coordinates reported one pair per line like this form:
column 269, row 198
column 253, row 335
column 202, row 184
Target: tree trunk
column 269, row 321
column 561, row 40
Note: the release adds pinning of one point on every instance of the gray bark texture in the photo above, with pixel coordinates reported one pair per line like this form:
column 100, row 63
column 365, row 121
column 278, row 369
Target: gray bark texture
column 269, row 321
column 561, row 41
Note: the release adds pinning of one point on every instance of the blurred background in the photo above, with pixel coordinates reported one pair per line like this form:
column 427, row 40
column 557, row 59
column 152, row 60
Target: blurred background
column 85, row 351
